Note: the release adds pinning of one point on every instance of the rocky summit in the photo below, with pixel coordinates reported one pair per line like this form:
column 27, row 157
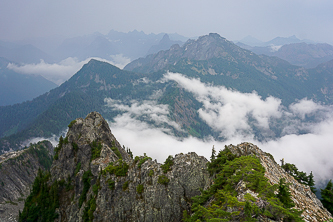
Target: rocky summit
column 94, row 178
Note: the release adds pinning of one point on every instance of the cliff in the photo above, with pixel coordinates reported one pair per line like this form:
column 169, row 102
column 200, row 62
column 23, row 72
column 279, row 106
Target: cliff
column 93, row 178
column 18, row 170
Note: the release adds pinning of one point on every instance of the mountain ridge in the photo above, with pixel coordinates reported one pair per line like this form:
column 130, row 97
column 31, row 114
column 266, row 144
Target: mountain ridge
column 97, row 179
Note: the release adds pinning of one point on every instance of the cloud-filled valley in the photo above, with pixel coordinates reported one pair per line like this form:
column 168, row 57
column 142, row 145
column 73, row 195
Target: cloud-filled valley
column 300, row 133
column 305, row 127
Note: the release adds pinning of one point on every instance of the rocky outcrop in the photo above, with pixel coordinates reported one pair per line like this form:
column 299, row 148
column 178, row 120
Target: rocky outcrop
column 143, row 192
column 18, row 170
column 302, row 195
column 98, row 180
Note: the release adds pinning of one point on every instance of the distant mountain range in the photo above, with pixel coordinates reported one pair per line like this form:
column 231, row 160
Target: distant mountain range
column 298, row 52
column 17, row 88
column 212, row 58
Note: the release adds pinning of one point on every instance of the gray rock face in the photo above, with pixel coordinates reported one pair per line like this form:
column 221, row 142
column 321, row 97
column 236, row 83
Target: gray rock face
column 18, row 170
column 137, row 196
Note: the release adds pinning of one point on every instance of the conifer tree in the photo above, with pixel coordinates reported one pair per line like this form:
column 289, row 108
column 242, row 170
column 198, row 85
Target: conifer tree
column 311, row 183
column 284, row 194
column 327, row 196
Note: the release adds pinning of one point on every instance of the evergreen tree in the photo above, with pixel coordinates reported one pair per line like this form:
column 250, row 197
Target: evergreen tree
column 213, row 154
column 327, row 196
column 311, row 183
column 284, row 194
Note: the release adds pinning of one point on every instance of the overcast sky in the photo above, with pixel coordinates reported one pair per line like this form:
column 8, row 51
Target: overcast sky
column 262, row 19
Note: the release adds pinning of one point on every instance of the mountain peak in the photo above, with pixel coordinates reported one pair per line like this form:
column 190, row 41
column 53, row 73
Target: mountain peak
column 205, row 47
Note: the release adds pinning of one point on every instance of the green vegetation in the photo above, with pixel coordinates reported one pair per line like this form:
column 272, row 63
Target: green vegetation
column 86, row 178
column 75, row 146
column 167, row 164
column 58, row 148
column 111, row 184
column 66, row 140
column 96, row 149
column 327, row 196
column 71, row 123
column 115, row 150
column 151, row 173
column 144, row 159
column 223, row 204
column 88, row 213
column 162, row 179
column 284, row 194
column 119, row 170
column 42, row 202
column 40, row 151
column 125, row 185
column 300, row 176
column 139, row 189
column 77, row 168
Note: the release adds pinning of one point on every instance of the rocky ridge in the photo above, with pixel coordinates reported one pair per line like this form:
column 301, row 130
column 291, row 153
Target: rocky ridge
column 18, row 170
column 119, row 197
column 302, row 195
column 97, row 180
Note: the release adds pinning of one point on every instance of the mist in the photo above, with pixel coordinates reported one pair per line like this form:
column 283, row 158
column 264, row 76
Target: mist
column 306, row 126
column 65, row 69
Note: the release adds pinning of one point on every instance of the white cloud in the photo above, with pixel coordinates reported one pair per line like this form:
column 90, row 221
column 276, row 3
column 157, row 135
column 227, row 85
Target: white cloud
column 148, row 110
column 62, row 71
column 228, row 111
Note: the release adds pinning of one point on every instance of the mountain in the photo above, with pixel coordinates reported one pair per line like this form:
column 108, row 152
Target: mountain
column 18, row 170
column 23, row 53
column 306, row 55
column 251, row 41
column 212, row 58
column 94, row 178
column 17, row 88
column 101, row 87
column 164, row 44
column 300, row 54
column 132, row 45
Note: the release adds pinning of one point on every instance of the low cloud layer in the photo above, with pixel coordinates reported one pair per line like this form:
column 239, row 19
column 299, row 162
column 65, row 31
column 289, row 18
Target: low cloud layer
column 62, row 71
column 304, row 142
column 306, row 127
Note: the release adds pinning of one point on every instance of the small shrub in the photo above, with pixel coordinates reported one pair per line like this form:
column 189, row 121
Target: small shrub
column 111, row 184
column 96, row 149
column 167, row 164
column 75, row 146
column 115, row 150
column 163, row 180
column 66, row 140
column 144, row 159
column 95, row 189
column 71, row 124
column 118, row 170
column 136, row 159
column 86, row 185
column 78, row 167
column 125, row 185
column 139, row 189
column 151, row 173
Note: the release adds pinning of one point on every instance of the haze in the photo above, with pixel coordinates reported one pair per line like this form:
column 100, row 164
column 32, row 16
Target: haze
column 234, row 20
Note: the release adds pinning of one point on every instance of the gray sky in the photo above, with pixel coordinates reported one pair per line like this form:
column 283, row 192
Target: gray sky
column 263, row 19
